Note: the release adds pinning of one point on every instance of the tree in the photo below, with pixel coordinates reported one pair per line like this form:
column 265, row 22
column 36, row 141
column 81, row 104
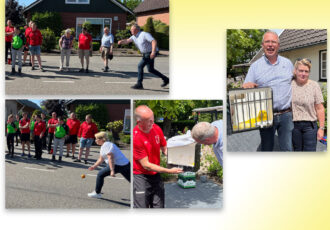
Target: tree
column 242, row 45
column 149, row 27
column 51, row 20
column 14, row 12
column 56, row 106
column 98, row 111
column 131, row 4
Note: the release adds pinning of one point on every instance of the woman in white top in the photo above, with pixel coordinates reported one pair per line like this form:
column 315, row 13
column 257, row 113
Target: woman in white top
column 307, row 108
column 116, row 163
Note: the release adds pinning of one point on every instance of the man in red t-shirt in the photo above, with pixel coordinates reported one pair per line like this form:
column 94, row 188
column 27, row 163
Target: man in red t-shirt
column 85, row 45
column 51, row 130
column 86, row 132
column 74, row 124
column 24, row 125
column 26, row 47
column 9, row 37
column 39, row 131
column 148, row 140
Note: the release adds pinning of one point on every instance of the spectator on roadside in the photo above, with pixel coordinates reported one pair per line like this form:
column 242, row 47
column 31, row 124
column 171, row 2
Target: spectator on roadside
column 17, row 46
column 28, row 29
column 32, row 121
column 106, row 47
column 65, row 44
column 24, row 125
column 11, row 130
column 9, row 31
column 51, row 130
column 39, row 130
column 86, row 133
column 44, row 137
column 85, row 45
column 148, row 47
column 74, row 124
column 61, row 131
column 18, row 132
column 34, row 39
column 115, row 160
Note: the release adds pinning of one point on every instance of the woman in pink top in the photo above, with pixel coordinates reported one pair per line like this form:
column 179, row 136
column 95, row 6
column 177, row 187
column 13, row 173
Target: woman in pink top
column 307, row 108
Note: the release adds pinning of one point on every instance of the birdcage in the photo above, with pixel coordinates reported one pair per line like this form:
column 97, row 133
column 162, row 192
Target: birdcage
column 251, row 109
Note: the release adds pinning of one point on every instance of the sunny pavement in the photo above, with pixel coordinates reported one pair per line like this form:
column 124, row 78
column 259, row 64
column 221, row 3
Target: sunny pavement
column 122, row 75
column 46, row 184
column 206, row 195
column 250, row 142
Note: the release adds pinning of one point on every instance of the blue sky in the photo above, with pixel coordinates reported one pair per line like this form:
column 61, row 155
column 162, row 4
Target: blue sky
column 25, row 2
column 36, row 101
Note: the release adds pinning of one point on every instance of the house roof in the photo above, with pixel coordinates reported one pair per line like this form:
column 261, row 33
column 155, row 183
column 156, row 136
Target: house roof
column 149, row 5
column 295, row 39
column 33, row 4
column 28, row 103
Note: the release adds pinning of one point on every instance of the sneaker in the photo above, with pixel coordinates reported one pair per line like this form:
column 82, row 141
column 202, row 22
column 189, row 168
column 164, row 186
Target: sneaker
column 19, row 72
column 85, row 162
column 165, row 83
column 86, row 71
column 73, row 157
column 13, row 72
column 42, row 70
column 77, row 160
column 106, row 69
column 61, row 69
column 81, row 70
column 137, row 86
column 30, row 64
column 53, row 158
column 94, row 195
column 32, row 68
column 29, row 156
column 67, row 155
column 22, row 155
column 60, row 159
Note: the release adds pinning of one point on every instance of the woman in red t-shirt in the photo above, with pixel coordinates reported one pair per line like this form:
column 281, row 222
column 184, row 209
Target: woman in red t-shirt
column 26, row 48
column 9, row 37
column 34, row 39
column 85, row 45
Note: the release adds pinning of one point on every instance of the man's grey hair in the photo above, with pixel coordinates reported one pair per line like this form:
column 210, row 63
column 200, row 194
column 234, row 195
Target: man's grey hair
column 202, row 131
column 270, row 32
column 136, row 26
column 67, row 31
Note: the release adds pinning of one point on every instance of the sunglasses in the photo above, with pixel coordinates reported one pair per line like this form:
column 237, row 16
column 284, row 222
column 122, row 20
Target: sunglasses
column 307, row 59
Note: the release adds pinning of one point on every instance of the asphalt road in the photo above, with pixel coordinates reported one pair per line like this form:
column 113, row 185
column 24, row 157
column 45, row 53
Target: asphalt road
column 46, row 184
column 118, row 81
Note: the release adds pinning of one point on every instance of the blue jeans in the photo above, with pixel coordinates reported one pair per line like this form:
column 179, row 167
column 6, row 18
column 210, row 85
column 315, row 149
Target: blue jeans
column 124, row 170
column 283, row 125
column 147, row 61
column 304, row 136
column 86, row 142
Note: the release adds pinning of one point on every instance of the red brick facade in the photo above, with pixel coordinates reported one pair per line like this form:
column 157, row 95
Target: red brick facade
column 162, row 15
column 69, row 19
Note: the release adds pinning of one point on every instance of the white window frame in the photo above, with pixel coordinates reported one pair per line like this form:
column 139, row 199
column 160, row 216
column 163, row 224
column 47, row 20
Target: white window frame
column 77, row 2
column 79, row 18
column 322, row 78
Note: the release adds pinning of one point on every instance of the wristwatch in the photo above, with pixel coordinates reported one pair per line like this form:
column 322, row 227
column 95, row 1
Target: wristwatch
column 322, row 128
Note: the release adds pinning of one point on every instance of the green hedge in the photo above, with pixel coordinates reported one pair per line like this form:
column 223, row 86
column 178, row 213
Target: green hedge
column 96, row 46
column 98, row 111
column 48, row 40
column 50, row 20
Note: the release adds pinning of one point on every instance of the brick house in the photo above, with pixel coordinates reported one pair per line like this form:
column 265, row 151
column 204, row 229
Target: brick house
column 20, row 106
column 74, row 13
column 157, row 9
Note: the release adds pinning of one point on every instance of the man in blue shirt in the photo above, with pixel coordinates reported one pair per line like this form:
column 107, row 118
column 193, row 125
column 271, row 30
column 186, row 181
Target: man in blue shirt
column 210, row 134
column 272, row 70
column 148, row 47
column 106, row 47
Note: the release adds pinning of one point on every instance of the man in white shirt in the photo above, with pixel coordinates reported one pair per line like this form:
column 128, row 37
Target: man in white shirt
column 148, row 47
column 106, row 47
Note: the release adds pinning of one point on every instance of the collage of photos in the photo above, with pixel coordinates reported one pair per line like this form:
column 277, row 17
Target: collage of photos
column 91, row 123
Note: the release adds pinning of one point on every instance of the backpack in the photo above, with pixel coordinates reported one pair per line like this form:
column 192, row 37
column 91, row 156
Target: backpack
column 17, row 42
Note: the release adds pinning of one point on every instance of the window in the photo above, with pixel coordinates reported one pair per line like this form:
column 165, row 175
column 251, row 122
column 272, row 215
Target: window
column 323, row 65
column 97, row 27
column 127, row 121
column 76, row 1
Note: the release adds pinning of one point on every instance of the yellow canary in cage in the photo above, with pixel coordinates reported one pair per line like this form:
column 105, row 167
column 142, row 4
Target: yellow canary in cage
column 262, row 115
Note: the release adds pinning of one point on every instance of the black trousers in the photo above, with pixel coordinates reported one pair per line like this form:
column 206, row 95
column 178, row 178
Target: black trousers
column 10, row 143
column 38, row 146
column 148, row 191
column 8, row 47
column 50, row 140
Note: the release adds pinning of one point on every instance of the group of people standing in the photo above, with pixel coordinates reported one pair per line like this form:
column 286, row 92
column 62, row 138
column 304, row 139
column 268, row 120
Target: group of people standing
column 31, row 41
column 299, row 115
column 58, row 131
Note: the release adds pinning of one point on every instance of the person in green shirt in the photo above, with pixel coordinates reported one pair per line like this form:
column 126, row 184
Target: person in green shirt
column 61, row 131
column 18, row 132
column 11, row 130
column 33, row 120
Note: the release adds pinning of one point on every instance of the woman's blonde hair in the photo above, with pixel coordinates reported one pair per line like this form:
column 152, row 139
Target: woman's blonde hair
column 101, row 136
column 305, row 62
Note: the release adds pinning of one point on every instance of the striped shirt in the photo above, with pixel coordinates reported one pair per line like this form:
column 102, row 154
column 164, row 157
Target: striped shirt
column 278, row 76
column 143, row 41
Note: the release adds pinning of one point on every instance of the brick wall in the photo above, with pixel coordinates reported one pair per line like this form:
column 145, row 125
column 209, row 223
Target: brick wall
column 162, row 15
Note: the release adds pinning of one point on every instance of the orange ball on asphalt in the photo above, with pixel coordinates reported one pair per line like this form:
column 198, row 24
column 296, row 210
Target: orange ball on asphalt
column 83, row 176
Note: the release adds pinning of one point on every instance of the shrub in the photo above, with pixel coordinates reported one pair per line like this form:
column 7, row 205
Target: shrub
column 214, row 168
column 98, row 111
column 96, row 46
column 123, row 34
column 163, row 163
column 125, row 138
column 50, row 20
column 87, row 25
column 149, row 27
column 49, row 40
column 115, row 126
column 325, row 97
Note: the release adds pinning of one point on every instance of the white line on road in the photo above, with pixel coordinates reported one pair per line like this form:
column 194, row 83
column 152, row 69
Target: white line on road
column 123, row 82
column 119, row 178
column 58, row 81
column 45, row 170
